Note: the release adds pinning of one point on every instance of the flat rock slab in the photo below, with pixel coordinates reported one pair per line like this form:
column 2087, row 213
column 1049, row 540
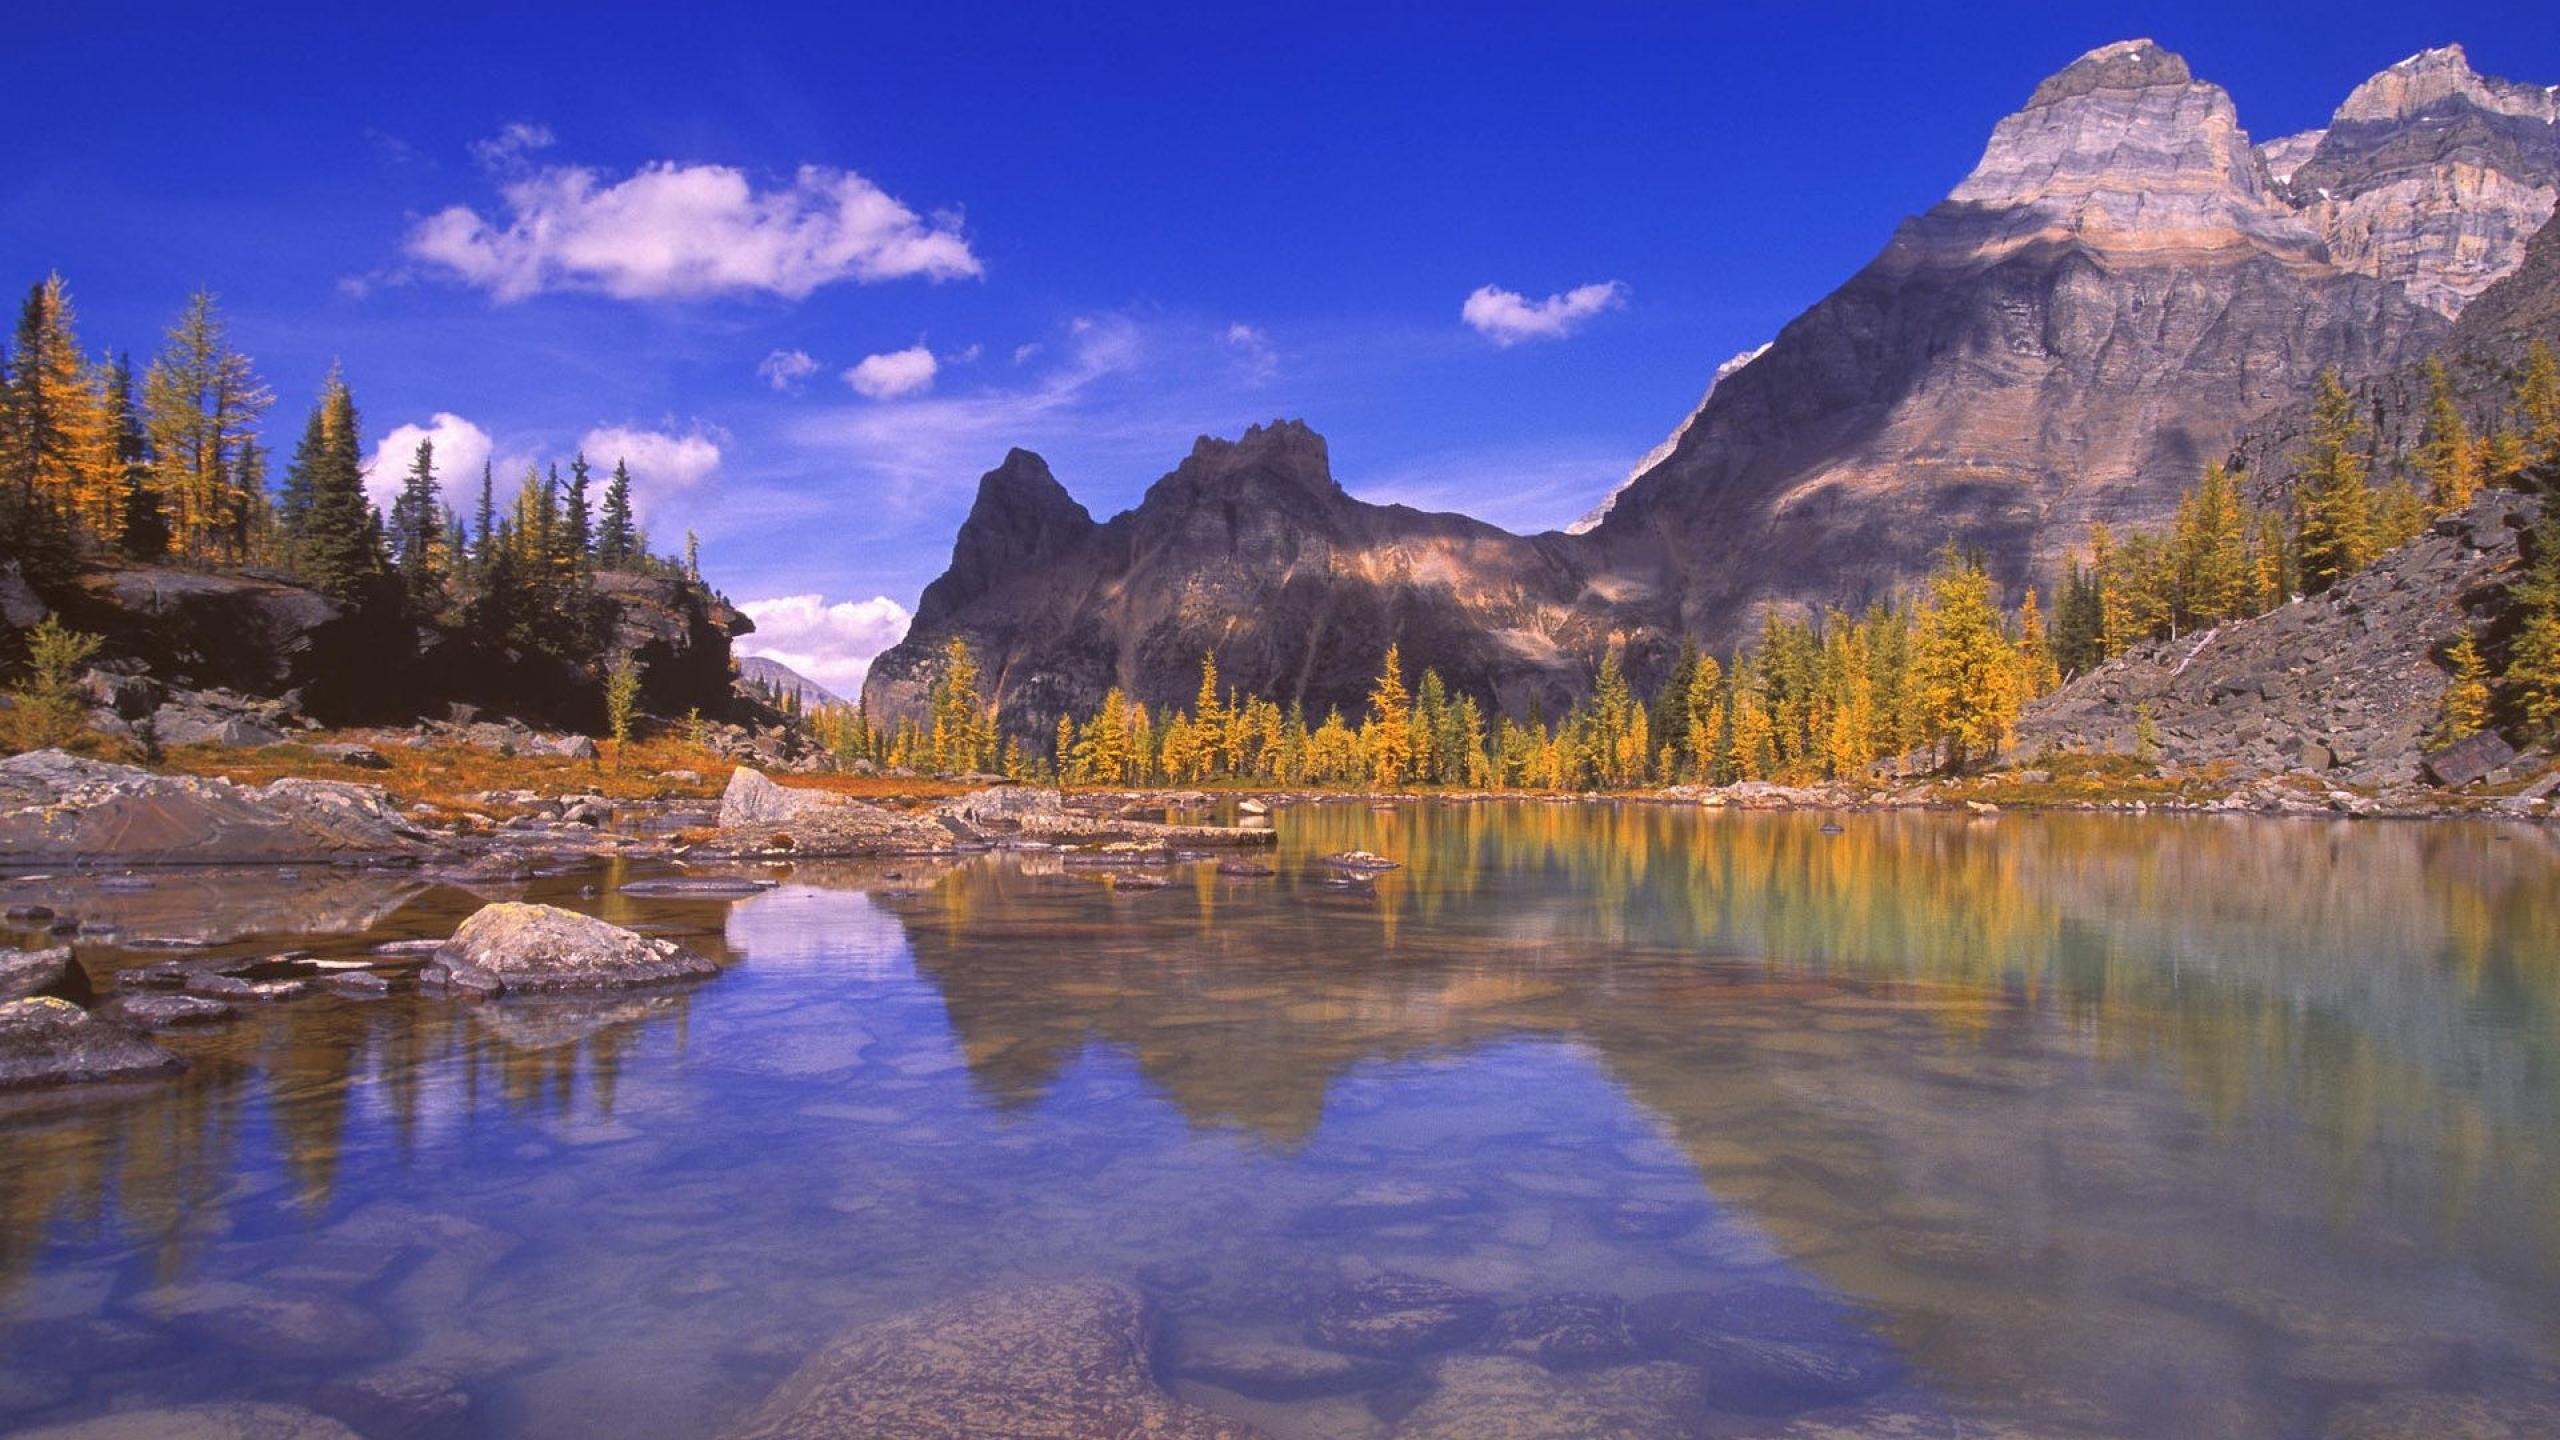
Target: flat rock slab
column 699, row 887
column 1051, row 1362
column 513, row 946
column 45, row 1041
column 164, row 1011
column 60, row 807
column 201, row 1422
column 1394, row 1316
column 284, row 1326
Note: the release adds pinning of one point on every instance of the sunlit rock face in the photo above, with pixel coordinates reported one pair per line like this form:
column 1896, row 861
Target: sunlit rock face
column 2092, row 315
column 2434, row 176
column 1251, row 549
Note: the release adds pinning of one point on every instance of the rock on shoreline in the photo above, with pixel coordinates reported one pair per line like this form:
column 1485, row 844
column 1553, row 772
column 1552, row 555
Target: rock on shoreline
column 57, row 807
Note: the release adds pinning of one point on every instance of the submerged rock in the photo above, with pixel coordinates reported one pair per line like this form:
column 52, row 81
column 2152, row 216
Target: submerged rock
column 1567, row 1331
column 290, row 1327
column 45, row 1041
column 201, row 1422
column 519, row 946
column 2443, row 1417
column 1769, row 1348
column 1394, row 1316
column 1052, row 1362
column 1269, row 1367
column 1497, row 1397
column 698, row 887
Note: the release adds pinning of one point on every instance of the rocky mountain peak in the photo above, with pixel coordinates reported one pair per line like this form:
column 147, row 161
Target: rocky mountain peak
column 1286, row 455
column 2124, row 65
column 2124, row 154
column 1022, row 517
column 2429, row 80
column 2433, row 175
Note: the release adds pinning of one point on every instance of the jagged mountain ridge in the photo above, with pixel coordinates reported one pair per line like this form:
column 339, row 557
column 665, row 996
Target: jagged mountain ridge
column 2117, row 292
column 1248, row 548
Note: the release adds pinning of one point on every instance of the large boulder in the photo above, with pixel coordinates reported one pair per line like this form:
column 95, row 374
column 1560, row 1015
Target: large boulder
column 515, row 946
column 1065, row 1361
column 757, row 814
column 45, row 1041
column 57, row 807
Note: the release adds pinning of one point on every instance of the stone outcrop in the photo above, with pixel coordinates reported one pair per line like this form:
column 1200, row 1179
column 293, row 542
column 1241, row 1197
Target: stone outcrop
column 1052, row 1362
column 2347, row 685
column 757, row 814
column 45, row 1041
column 522, row 947
column 2433, row 176
column 60, row 807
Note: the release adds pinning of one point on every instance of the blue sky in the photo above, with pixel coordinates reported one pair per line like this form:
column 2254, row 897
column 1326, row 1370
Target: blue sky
column 814, row 272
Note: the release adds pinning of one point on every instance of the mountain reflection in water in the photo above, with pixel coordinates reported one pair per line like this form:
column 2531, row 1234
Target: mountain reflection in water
column 2108, row 1125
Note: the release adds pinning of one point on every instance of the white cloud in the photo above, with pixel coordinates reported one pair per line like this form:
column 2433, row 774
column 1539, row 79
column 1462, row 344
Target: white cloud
column 1507, row 317
column 939, row 440
column 1257, row 360
column 663, row 464
column 505, row 151
column 899, row 372
column 784, row 370
column 461, row 449
column 686, row 231
column 831, row 644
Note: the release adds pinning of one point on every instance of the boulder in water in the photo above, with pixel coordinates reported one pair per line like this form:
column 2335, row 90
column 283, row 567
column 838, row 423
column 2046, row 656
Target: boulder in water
column 45, row 1041
column 517, row 946
column 1050, row 1362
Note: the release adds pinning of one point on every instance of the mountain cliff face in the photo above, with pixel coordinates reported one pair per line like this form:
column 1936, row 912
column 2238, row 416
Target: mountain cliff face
column 2095, row 312
column 2433, row 176
column 2122, row 289
column 1248, row 548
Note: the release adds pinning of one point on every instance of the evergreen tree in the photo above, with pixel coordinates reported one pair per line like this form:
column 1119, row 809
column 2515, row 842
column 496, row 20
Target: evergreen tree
column 2533, row 663
column 1964, row 669
column 2538, row 402
column 1387, row 736
column 616, row 542
column 2466, row 699
column 2334, row 507
column 416, row 526
column 339, row 545
column 485, row 525
column 146, row 530
column 203, row 403
column 2446, row 458
column 578, row 519
column 58, row 463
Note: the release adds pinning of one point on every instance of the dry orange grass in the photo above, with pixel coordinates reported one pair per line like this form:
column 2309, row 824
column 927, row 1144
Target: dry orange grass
column 446, row 776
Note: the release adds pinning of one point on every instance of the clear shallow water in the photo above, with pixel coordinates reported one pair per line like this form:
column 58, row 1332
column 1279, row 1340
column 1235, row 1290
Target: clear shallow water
column 2155, row 1127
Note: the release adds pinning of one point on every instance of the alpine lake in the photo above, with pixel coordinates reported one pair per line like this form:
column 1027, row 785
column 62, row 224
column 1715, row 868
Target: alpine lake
column 1690, row 1122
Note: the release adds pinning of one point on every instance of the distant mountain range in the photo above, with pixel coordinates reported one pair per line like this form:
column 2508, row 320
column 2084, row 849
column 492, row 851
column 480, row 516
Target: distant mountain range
column 772, row 675
column 2123, row 288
